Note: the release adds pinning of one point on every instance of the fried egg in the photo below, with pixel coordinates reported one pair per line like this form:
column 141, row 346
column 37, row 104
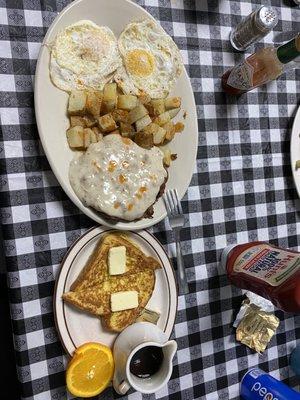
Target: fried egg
column 151, row 60
column 84, row 55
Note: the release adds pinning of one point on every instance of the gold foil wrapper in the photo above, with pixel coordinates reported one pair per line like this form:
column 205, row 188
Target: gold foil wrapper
column 257, row 327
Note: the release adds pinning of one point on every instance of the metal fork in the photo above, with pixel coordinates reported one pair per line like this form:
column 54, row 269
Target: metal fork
column 176, row 219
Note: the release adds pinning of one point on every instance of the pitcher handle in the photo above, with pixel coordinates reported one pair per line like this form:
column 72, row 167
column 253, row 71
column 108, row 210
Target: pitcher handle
column 123, row 387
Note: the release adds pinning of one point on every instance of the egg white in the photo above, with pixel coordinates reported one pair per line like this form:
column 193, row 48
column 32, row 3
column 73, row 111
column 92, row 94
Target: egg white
column 84, row 56
column 151, row 60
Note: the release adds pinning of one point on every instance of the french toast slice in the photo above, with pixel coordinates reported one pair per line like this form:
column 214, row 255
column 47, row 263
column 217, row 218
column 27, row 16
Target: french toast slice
column 96, row 300
column 119, row 320
column 96, row 269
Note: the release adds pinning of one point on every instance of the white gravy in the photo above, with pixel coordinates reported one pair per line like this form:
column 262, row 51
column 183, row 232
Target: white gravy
column 117, row 177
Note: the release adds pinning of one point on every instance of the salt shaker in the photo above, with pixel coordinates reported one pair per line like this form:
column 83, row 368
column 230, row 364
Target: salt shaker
column 254, row 27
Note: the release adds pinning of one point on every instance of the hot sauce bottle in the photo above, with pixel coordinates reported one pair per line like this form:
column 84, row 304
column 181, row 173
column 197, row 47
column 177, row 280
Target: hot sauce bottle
column 261, row 67
column 266, row 270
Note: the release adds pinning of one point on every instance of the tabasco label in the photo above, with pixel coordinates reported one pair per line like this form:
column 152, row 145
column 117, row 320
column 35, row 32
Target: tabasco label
column 267, row 263
column 241, row 76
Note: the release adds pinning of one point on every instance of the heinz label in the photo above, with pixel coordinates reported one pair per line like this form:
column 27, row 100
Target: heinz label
column 267, row 263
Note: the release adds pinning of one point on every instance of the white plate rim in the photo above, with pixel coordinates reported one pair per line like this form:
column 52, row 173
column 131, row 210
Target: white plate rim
column 66, row 265
column 295, row 150
column 134, row 225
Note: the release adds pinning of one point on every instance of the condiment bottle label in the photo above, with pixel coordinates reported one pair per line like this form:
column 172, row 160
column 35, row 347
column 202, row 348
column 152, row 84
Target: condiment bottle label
column 268, row 264
column 241, row 76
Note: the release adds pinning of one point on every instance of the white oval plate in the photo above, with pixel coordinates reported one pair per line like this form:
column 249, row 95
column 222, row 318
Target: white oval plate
column 51, row 105
column 76, row 327
column 295, row 150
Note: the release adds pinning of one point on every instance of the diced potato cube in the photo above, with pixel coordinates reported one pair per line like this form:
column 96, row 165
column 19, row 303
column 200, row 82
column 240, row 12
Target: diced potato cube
column 107, row 123
column 150, row 108
column 129, row 135
column 144, row 139
column 158, row 106
column 179, row 127
column 142, row 123
column 159, row 135
column 170, row 130
column 116, row 132
column 107, row 107
column 93, row 103
column 162, row 119
column 109, row 97
column 99, row 93
column 144, row 98
column 127, row 101
column 77, row 121
column 75, row 136
column 120, row 115
column 110, row 92
column 172, row 102
column 126, row 129
column 77, row 102
column 151, row 128
column 94, row 138
column 98, row 133
column 93, row 135
column 96, row 130
column 90, row 122
column 173, row 112
column 137, row 113
column 86, row 137
column 167, row 157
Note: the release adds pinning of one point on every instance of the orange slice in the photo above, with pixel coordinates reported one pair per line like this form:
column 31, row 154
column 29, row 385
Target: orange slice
column 90, row 370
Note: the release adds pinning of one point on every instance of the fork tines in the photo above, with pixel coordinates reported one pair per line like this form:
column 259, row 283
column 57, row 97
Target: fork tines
column 172, row 202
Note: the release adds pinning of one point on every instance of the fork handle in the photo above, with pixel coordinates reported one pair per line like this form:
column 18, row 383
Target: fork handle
column 182, row 280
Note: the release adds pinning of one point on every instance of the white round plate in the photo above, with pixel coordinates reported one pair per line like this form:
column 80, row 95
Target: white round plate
column 295, row 150
column 51, row 105
column 76, row 327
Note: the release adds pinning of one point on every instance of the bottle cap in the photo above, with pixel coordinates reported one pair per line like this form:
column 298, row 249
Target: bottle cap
column 266, row 19
column 224, row 255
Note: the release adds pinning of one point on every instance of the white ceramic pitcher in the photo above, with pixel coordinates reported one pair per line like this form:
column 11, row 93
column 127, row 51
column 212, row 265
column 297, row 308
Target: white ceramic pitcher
column 133, row 339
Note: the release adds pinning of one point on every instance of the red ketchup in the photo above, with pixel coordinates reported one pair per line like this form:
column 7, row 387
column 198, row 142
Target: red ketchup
column 267, row 270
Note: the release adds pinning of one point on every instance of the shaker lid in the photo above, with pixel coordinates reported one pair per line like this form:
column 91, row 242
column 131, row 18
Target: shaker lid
column 267, row 18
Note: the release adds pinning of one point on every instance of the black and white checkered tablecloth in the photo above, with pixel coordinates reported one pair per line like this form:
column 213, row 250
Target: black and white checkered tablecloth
column 241, row 191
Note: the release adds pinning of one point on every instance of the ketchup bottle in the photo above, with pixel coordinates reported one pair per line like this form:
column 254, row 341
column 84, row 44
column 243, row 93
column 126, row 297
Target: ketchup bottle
column 266, row 270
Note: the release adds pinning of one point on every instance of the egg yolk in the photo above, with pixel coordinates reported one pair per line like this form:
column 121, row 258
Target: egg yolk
column 140, row 62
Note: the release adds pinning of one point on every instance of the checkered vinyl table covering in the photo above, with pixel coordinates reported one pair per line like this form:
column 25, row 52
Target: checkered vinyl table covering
column 241, row 191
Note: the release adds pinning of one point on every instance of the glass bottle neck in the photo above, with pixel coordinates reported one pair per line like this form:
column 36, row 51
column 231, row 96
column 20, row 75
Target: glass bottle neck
column 289, row 51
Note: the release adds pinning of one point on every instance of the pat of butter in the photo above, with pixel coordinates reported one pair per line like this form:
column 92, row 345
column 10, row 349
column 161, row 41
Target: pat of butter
column 117, row 260
column 124, row 300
